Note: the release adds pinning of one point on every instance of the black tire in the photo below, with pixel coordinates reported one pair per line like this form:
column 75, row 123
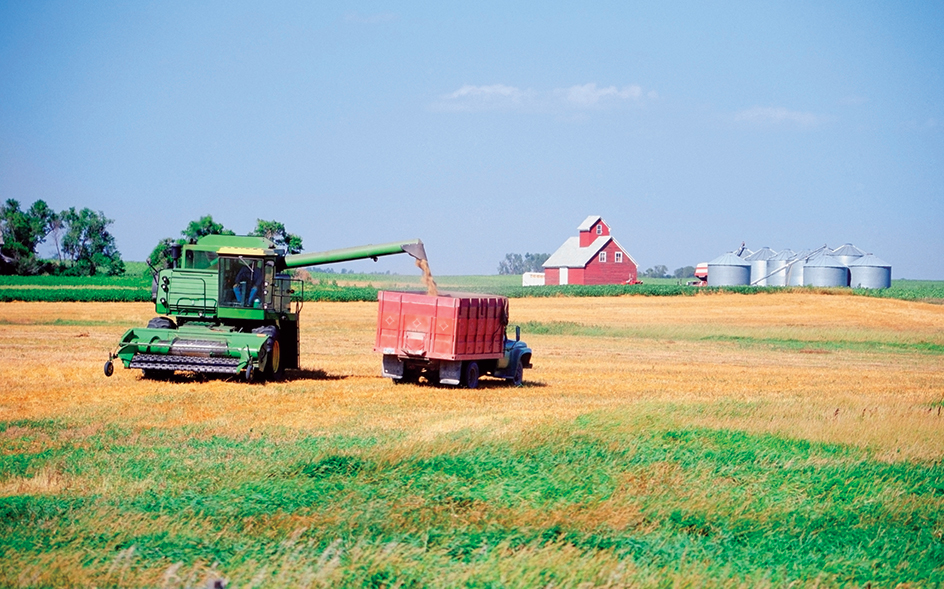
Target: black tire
column 519, row 374
column 470, row 375
column 161, row 323
column 274, row 367
column 109, row 368
column 410, row 376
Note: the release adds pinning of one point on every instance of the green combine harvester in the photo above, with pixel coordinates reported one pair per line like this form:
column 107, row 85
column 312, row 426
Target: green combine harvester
column 227, row 308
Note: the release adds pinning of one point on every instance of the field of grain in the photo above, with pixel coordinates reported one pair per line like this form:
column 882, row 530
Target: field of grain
column 717, row 439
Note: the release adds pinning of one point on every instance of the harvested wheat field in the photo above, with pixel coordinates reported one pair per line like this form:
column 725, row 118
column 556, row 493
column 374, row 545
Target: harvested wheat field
column 715, row 440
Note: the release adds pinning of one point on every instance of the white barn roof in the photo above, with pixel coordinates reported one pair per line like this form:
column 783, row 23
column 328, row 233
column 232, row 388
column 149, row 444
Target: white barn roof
column 571, row 255
column 589, row 222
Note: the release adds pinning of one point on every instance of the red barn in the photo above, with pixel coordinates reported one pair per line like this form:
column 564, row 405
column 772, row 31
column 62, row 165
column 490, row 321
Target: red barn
column 593, row 257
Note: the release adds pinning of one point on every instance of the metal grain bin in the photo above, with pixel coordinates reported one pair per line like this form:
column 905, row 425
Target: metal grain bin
column 758, row 262
column 870, row 271
column 777, row 268
column 795, row 271
column 729, row 270
column 825, row 270
column 847, row 253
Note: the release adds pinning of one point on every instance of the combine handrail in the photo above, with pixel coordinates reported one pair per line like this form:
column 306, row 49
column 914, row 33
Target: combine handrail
column 179, row 307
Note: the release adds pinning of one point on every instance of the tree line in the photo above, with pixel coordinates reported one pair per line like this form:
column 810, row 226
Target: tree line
column 272, row 230
column 85, row 247
column 662, row 271
column 518, row 264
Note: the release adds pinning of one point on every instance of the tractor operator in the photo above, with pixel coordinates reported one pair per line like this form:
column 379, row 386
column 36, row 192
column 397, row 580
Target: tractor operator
column 249, row 277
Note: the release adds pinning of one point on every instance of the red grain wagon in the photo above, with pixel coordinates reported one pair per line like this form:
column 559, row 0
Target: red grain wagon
column 450, row 338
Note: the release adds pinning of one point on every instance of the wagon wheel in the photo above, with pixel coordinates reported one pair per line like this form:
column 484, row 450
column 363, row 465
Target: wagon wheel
column 470, row 376
column 519, row 374
column 410, row 376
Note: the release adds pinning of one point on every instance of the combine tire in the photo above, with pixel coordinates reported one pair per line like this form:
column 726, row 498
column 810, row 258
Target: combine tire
column 470, row 375
column 274, row 368
column 161, row 323
column 109, row 368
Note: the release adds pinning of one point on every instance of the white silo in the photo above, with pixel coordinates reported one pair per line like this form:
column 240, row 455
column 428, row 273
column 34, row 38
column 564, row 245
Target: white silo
column 825, row 270
column 847, row 253
column 777, row 268
column 758, row 262
column 729, row 270
column 870, row 271
column 795, row 270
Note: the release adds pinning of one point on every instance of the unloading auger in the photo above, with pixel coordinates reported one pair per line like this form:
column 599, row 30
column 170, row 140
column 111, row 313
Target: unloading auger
column 227, row 308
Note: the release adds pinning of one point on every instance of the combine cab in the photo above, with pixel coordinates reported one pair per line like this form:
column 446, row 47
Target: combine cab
column 227, row 308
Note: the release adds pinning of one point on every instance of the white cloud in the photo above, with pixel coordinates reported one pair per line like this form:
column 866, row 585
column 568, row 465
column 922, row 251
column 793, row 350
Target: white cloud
column 492, row 97
column 589, row 95
column 502, row 97
column 777, row 115
column 493, row 92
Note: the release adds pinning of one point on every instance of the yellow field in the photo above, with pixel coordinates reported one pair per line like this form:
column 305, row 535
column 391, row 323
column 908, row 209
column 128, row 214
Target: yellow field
column 675, row 359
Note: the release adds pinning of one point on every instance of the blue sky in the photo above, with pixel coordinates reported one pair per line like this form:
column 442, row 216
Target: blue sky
column 487, row 128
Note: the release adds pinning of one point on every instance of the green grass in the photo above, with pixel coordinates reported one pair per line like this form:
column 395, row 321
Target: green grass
column 909, row 290
column 825, row 341
column 572, row 499
column 136, row 285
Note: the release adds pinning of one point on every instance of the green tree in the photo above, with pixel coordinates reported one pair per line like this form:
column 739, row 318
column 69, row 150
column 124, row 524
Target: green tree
column 512, row 264
column 518, row 264
column 22, row 232
column 160, row 255
column 88, row 244
column 660, row 271
column 275, row 231
column 684, row 272
column 204, row 226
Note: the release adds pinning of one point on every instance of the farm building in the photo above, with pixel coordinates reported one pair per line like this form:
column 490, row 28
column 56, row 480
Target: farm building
column 592, row 257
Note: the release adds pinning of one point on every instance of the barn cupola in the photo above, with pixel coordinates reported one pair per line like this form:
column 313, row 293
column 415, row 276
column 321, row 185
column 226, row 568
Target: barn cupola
column 592, row 228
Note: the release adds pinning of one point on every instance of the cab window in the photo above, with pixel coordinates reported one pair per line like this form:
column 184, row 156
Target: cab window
column 242, row 282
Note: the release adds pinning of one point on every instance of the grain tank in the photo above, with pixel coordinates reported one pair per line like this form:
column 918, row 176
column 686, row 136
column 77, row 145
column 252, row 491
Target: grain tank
column 758, row 262
column 777, row 267
column 729, row 270
column 870, row 271
column 825, row 270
